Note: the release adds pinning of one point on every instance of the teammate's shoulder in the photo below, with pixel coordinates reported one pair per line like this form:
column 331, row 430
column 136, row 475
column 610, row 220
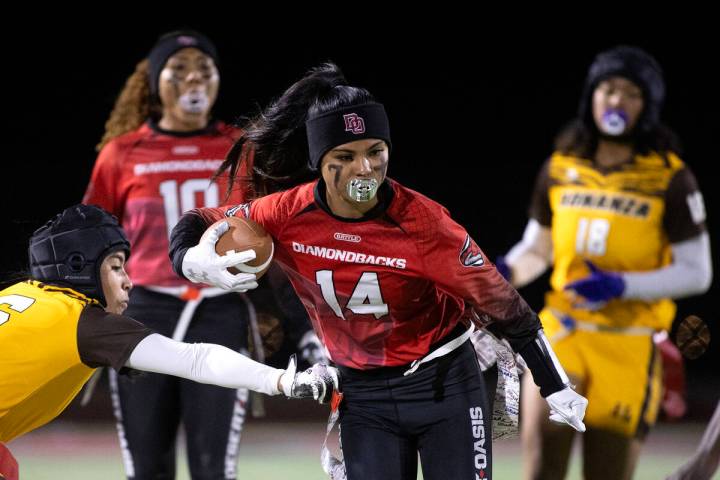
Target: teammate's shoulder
column 130, row 138
column 660, row 161
column 48, row 293
column 223, row 129
column 561, row 159
column 412, row 206
column 291, row 200
column 126, row 141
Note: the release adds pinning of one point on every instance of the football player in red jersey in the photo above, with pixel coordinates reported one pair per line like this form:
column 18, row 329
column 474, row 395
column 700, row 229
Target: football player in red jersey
column 159, row 151
column 392, row 284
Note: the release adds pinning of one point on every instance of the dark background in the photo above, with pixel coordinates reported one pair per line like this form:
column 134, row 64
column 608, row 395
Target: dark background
column 473, row 111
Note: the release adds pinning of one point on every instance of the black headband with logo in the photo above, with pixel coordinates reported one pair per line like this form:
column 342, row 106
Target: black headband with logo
column 352, row 123
column 170, row 43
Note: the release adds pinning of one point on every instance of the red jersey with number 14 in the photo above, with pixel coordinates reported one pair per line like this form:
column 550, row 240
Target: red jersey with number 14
column 148, row 178
column 381, row 289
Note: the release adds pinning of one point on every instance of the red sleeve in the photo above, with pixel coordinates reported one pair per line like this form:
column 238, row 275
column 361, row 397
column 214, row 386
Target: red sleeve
column 457, row 265
column 102, row 189
column 270, row 211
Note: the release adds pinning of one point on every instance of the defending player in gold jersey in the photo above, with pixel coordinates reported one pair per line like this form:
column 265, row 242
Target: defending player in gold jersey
column 621, row 219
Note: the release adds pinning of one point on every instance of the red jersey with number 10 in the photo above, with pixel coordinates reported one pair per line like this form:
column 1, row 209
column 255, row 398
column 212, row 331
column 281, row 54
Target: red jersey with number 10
column 380, row 290
column 148, row 179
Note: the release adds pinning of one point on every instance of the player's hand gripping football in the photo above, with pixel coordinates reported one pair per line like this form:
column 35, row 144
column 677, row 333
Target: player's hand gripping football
column 202, row 264
column 568, row 407
column 317, row 382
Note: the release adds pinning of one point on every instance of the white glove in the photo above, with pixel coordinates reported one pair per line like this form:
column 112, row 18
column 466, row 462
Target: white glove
column 202, row 264
column 311, row 350
column 567, row 407
column 318, row 381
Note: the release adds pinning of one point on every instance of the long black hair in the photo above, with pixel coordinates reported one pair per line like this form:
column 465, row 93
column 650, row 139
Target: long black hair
column 273, row 146
column 580, row 139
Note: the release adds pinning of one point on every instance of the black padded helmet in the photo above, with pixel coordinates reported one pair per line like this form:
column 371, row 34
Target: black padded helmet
column 69, row 249
column 636, row 65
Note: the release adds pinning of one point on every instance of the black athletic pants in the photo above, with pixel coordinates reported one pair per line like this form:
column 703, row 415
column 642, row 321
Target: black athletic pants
column 149, row 407
column 439, row 411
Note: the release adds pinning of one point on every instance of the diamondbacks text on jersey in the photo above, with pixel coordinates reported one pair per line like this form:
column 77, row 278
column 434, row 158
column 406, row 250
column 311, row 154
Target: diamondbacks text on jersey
column 408, row 273
column 148, row 178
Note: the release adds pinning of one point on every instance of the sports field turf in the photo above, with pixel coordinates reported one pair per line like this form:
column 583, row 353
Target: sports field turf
column 280, row 451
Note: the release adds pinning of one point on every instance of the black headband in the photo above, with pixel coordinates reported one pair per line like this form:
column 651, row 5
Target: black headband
column 168, row 44
column 352, row 123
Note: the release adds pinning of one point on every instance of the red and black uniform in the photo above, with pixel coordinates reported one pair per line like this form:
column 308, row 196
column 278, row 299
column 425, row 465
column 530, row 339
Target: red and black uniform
column 383, row 291
column 148, row 178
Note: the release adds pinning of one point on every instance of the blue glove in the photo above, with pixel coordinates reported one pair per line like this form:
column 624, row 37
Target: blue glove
column 503, row 268
column 599, row 286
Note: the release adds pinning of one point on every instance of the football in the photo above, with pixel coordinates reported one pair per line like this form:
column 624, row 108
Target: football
column 692, row 337
column 244, row 234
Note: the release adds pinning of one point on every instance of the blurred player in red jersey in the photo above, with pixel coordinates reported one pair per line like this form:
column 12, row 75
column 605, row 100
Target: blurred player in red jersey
column 390, row 281
column 159, row 151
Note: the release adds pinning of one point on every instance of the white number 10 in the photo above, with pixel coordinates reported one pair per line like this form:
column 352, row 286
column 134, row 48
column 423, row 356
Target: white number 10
column 187, row 191
column 366, row 298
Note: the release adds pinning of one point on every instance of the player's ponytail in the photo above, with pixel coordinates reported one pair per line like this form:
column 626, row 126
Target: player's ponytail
column 132, row 107
column 277, row 135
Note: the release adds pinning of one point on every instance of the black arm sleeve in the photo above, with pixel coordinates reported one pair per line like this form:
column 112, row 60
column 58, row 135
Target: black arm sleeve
column 106, row 339
column 519, row 329
column 542, row 365
column 184, row 235
column 525, row 335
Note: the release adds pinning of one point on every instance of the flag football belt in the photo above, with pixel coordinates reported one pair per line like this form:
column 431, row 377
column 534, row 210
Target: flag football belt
column 441, row 351
column 332, row 465
column 569, row 325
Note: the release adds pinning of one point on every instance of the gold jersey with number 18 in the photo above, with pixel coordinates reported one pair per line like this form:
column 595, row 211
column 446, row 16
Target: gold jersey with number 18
column 622, row 220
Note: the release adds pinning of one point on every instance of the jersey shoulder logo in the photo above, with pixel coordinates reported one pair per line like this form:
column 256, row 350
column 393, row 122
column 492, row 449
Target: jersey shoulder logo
column 470, row 254
column 245, row 207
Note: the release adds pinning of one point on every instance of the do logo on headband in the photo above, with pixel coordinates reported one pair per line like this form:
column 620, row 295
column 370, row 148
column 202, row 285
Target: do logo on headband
column 186, row 40
column 354, row 123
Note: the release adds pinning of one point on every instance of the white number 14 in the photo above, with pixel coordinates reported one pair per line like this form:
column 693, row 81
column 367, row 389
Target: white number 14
column 366, row 298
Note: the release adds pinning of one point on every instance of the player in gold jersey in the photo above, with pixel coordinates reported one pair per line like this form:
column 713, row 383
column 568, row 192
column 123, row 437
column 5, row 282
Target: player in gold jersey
column 622, row 221
column 66, row 320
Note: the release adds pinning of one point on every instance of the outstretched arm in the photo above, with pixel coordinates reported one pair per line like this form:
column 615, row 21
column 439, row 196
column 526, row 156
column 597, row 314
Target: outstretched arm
column 204, row 363
column 218, row 365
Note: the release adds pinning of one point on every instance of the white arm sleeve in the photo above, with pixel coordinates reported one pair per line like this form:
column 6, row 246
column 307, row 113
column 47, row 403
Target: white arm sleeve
column 690, row 273
column 532, row 255
column 204, row 363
